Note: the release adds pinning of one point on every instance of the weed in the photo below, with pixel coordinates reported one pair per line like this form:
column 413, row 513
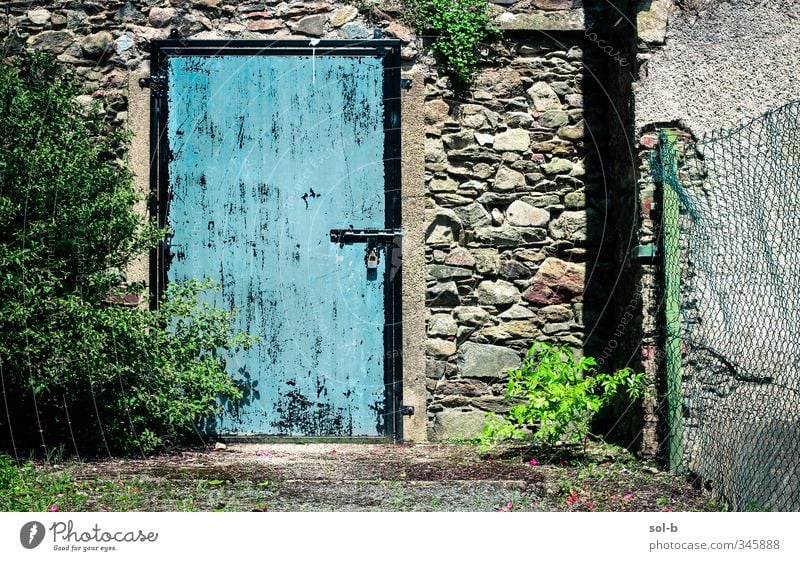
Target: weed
column 556, row 396
column 205, row 484
column 461, row 25
column 186, row 504
column 27, row 488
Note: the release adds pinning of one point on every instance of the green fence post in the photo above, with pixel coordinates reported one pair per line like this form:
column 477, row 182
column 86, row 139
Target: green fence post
column 672, row 304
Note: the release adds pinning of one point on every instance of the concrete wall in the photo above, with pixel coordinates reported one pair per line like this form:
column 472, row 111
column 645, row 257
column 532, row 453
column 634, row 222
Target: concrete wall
column 720, row 62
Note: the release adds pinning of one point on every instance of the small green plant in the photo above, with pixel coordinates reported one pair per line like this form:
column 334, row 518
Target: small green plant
column 27, row 488
column 461, row 26
column 186, row 504
column 208, row 484
column 556, row 395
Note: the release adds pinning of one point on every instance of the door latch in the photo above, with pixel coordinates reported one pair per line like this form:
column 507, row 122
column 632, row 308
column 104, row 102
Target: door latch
column 375, row 240
column 369, row 236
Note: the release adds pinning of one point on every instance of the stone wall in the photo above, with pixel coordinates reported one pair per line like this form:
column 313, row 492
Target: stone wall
column 648, row 334
column 507, row 244
column 517, row 201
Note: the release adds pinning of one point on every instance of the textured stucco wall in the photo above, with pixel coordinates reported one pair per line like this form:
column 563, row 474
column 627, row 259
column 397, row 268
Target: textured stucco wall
column 723, row 62
column 414, row 311
column 139, row 164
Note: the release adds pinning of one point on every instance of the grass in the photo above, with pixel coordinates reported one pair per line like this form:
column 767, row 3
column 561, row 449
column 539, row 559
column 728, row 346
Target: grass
column 37, row 487
column 26, row 487
column 34, row 486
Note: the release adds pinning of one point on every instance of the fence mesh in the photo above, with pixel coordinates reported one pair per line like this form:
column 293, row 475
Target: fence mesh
column 734, row 202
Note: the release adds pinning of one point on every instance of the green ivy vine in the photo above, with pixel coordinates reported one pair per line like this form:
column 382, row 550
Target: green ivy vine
column 460, row 27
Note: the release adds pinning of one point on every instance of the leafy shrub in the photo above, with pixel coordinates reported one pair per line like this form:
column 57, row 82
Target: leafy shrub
column 461, row 25
column 77, row 368
column 557, row 395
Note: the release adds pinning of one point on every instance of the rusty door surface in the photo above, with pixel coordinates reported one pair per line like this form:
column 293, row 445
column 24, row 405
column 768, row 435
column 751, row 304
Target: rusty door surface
column 264, row 156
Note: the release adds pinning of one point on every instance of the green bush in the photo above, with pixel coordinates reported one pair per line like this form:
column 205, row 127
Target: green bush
column 461, row 27
column 556, row 395
column 77, row 368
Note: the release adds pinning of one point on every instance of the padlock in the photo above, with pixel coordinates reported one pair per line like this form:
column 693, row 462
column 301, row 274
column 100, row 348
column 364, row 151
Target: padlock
column 373, row 258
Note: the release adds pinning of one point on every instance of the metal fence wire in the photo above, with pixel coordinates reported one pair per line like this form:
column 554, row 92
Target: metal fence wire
column 732, row 201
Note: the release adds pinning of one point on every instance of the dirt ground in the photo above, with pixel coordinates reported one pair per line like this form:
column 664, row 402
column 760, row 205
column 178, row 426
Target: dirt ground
column 381, row 477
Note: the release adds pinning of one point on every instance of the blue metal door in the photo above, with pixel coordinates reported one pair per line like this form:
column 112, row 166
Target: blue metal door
column 263, row 153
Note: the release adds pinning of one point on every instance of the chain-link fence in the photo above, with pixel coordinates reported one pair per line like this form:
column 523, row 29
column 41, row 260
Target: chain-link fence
column 731, row 247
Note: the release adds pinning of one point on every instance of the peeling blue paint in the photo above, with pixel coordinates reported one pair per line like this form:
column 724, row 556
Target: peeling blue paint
column 264, row 162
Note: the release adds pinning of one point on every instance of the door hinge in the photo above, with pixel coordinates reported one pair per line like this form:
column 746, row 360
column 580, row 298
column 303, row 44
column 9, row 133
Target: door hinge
column 406, row 83
column 407, row 410
column 156, row 83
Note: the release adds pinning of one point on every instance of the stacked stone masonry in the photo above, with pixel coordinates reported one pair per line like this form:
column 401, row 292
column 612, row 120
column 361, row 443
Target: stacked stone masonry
column 506, row 245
